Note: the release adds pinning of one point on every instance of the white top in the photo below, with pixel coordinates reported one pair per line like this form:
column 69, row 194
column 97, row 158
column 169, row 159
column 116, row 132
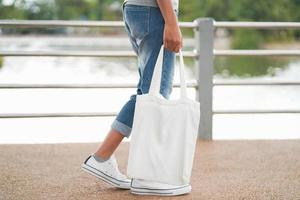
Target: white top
column 151, row 3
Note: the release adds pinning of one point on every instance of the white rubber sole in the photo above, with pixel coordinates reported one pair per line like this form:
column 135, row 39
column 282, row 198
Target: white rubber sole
column 161, row 192
column 104, row 177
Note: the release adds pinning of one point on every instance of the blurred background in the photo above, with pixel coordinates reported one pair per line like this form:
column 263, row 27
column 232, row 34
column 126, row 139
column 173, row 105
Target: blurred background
column 40, row 70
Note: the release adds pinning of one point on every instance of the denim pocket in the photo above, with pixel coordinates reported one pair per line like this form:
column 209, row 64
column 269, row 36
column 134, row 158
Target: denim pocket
column 137, row 19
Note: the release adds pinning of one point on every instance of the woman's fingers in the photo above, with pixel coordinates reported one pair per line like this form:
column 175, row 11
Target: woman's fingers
column 172, row 45
column 178, row 46
column 172, row 38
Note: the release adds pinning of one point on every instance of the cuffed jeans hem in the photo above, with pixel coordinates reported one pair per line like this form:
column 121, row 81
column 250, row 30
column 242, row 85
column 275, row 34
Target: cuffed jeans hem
column 122, row 128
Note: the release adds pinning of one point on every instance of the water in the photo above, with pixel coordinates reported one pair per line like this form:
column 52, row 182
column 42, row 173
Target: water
column 57, row 70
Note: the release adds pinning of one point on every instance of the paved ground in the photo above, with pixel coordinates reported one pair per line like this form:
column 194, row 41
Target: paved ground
column 222, row 170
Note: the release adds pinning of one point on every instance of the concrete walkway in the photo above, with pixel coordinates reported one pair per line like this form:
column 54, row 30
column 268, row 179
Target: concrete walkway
column 222, row 170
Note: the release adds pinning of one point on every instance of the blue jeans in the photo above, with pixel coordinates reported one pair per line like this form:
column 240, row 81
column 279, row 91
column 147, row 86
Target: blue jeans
column 145, row 26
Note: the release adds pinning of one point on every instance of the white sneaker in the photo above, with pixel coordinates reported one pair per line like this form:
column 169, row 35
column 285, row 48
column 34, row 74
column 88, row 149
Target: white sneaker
column 144, row 187
column 107, row 171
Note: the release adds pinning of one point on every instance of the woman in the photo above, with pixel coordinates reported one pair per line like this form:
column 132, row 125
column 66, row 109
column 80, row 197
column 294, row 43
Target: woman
column 149, row 24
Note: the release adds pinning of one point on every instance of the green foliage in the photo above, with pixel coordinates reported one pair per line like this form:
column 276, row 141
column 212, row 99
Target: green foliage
column 78, row 9
column 267, row 10
column 11, row 12
column 247, row 39
column 245, row 10
column 61, row 9
column 248, row 66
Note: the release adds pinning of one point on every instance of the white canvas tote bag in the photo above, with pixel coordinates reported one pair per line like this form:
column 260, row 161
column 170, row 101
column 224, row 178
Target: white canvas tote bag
column 164, row 133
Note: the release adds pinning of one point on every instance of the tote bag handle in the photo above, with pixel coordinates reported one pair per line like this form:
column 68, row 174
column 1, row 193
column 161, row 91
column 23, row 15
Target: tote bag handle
column 156, row 77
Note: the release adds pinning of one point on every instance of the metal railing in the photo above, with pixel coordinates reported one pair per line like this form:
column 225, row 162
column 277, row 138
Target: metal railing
column 204, row 35
column 203, row 53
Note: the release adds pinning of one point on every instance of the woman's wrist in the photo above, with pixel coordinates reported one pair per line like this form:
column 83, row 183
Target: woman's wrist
column 167, row 11
column 172, row 39
column 172, row 20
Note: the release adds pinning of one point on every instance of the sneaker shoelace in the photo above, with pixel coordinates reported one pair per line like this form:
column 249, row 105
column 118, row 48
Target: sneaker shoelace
column 114, row 164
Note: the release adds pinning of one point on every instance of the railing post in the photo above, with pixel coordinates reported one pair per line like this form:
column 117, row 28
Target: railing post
column 204, row 37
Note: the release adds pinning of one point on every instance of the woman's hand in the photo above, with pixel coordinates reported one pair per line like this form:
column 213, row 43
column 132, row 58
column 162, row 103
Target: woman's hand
column 172, row 35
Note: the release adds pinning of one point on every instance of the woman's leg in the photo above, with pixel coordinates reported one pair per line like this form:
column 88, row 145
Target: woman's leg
column 110, row 143
column 144, row 26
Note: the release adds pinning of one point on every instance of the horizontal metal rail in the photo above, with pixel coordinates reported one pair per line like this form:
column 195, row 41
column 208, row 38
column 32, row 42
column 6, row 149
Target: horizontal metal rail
column 111, row 114
column 73, row 23
column 80, row 53
column 91, row 23
column 192, row 54
column 257, row 52
column 192, row 84
column 38, row 115
column 238, row 83
column 260, row 25
column 256, row 111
